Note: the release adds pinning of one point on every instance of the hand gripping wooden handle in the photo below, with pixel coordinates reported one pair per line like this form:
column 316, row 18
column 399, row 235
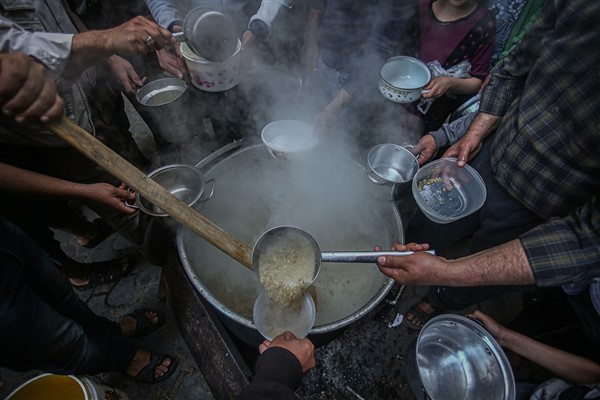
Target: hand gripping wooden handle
column 95, row 150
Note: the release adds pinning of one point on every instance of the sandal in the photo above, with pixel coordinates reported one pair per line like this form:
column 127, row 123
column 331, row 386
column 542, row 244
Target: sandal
column 143, row 325
column 421, row 313
column 103, row 230
column 104, row 272
column 146, row 374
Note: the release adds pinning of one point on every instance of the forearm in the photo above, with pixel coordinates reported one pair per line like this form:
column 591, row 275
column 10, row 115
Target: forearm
column 465, row 85
column 506, row 264
column 28, row 183
column 565, row 365
column 88, row 48
column 483, row 125
column 339, row 101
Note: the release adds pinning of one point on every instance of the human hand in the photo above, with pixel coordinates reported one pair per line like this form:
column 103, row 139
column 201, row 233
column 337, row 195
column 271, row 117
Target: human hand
column 323, row 122
column 27, row 91
column 493, row 327
column 171, row 64
column 464, row 150
column 132, row 37
column 437, row 87
column 109, row 196
column 424, row 149
column 420, row 268
column 303, row 349
column 125, row 73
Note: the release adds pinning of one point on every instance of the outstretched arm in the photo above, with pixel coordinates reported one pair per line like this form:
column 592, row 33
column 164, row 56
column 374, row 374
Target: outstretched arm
column 567, row 366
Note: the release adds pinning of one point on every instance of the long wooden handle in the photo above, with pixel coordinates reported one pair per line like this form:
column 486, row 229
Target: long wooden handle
column 95, row 150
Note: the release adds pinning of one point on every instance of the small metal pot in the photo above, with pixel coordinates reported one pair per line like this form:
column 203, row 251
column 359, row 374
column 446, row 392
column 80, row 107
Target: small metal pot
column 210, row 34
column 164, row 103
column 183, row 181
column 457, row 358
column 403, row 78
column 391, row 168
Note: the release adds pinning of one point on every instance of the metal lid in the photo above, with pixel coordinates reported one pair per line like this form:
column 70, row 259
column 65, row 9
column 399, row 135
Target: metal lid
column 210, row 34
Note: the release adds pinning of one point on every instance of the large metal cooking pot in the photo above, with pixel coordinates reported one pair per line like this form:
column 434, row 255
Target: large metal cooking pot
column 326, row 196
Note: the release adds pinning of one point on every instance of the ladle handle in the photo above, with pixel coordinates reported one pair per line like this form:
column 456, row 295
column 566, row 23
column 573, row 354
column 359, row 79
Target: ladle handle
column 179, row 36
column 96, row 151
column 362, row 256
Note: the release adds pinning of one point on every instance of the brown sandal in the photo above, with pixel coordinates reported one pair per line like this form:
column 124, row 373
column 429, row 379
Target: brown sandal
column 421, row 312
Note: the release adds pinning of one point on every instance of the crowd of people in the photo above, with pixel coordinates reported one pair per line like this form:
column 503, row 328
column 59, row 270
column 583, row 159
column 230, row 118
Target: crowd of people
column 532, row 140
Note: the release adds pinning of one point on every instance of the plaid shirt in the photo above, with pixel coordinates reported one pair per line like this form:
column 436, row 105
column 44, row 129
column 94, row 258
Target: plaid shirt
column 545, row 151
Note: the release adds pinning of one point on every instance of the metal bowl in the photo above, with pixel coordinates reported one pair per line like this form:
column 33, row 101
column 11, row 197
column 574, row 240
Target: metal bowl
column 458, row 359
column 183, row 181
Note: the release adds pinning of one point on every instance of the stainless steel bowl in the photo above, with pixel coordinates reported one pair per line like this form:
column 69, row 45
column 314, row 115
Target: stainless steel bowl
column 459, row 359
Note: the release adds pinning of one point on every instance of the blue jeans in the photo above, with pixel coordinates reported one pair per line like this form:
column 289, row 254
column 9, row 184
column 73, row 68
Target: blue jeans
column 501, row 219
column 44, row 325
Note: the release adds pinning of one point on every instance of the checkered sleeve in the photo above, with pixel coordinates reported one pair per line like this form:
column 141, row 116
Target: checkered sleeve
column 565, row 250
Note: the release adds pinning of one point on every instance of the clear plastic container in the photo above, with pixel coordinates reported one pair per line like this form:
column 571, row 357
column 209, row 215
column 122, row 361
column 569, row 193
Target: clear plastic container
column 272, row 320
column 446, row 192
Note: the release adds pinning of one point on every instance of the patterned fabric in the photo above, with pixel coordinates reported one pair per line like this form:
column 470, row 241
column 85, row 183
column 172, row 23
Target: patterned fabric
column 545, row 150
column 507, row 13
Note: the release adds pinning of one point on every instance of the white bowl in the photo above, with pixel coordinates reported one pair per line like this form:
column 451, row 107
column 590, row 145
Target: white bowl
column 446, row 192
column 286, row 139
column 271, row 320
column 212, row 76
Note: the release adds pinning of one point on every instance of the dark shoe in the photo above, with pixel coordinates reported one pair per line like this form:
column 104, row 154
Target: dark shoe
column 146, row 374
column 144, row 325
column 104, row 272
column 420, row 313
column 103, row 230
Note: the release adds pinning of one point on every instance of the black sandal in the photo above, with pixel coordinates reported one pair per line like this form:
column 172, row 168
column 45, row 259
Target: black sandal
column 104, row 272
column 146, row 374
column 143, row 325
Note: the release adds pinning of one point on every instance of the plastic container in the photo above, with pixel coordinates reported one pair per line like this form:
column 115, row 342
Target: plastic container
column 286, row 139
column 212, row 76
column 446, row 192
column 272, row 320
column 63, row 387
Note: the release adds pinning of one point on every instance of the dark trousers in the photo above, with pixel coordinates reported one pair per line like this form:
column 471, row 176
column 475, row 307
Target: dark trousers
column 44, row 325
column 501, row 219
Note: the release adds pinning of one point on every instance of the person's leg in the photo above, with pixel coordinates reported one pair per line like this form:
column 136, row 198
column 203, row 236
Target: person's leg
column 43, row 324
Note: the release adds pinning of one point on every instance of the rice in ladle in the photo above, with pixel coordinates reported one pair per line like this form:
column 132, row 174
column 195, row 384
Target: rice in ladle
column 286, row 268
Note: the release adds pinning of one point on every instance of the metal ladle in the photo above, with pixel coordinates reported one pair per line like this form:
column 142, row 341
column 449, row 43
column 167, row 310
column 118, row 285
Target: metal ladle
column 281, row 236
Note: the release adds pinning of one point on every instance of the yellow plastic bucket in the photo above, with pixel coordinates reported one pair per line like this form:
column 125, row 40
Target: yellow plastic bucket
column 65, row 387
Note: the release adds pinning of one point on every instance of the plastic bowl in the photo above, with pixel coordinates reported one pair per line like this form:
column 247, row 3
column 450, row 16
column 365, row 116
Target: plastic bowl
column 271, row 320
column 286, row 139
column 446, row 192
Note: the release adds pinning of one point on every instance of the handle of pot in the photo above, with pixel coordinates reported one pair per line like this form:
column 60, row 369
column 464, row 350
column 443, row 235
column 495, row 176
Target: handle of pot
column 179, row 36
column 92, row 148
column 363, row 256
column 211, row 181
column 425, row 91
column 128, row 204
